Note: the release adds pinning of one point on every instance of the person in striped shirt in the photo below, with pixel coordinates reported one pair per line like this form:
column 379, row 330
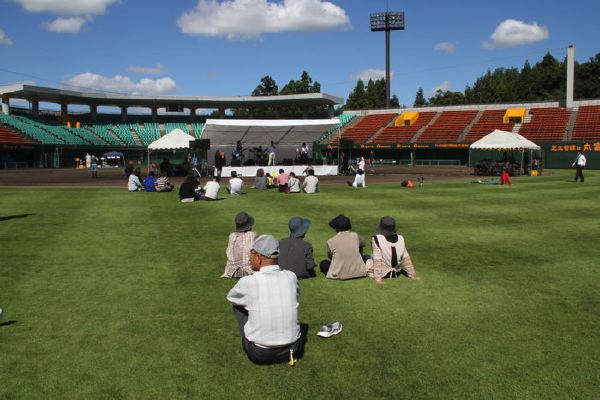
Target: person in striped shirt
column 162, row 184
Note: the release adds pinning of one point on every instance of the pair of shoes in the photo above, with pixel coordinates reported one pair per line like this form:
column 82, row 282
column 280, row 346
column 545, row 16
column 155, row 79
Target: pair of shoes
column 329, row 330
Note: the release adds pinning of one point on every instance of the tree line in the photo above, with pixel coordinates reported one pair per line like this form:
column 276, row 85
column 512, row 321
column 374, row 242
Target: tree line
column 544, row 81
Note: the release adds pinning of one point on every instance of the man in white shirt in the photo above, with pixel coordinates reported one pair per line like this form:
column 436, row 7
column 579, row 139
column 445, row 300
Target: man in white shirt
column 579, row 165
column 211, row 189
column 265, row 305
column 361, row 163
column 236, row 185
column 311, row 182
column 359, row 180
column 271, row 152
column 134, row 184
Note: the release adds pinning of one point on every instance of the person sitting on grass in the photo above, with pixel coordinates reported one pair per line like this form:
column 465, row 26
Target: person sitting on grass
column 344, row 251
column 271, row 181
column 162, row 184
column 149, row 182
column 211, row 189
column 282, row 180
column 293, row 183
column 134, row 184
column 236, row 184
column 188, row 191
column 265, row 306
column 238, row 247
column 359, row 180
column 260, row 182
column 390, row 258
column 296, row 254
column 311, row 182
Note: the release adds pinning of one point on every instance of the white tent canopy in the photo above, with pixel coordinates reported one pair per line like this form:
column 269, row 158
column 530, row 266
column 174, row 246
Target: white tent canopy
column 176, row 139
column 503, row 140
column 260, row 132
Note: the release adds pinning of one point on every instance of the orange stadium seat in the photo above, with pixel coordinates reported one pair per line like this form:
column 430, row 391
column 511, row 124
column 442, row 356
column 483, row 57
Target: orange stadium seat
column 547, row 123
column 448, row 127
column 587, row 124
column 403, row 134
column 489, row 121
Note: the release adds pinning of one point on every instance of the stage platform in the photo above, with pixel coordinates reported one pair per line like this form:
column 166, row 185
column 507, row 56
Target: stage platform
column 320, row 170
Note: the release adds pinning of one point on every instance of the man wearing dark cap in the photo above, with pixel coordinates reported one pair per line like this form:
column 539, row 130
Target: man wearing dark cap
column 295, row 254
column 390, row 257
column 345, row 252
column 265, row 305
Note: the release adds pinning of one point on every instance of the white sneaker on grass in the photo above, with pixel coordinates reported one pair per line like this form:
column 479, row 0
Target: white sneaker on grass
column 329, row 330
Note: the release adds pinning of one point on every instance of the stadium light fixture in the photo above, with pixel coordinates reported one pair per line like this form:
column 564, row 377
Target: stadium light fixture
column 387, row 22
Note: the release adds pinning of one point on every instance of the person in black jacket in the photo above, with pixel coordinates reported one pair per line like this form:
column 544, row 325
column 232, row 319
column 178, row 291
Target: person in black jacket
column 219, row 162
column 295, row 254
column 188, row 190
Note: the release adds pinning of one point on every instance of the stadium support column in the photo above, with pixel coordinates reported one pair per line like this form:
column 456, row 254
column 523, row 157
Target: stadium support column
column 222, row 112
column 192, row 114
column 35, row 108
column 6, row 105
column 330, row 111
column 123, row 113
column 93, row 112
column 64, row 111
column 154, row 114
column 570, row 75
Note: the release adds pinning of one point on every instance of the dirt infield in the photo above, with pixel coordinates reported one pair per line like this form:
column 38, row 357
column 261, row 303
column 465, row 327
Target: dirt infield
column 115, row 177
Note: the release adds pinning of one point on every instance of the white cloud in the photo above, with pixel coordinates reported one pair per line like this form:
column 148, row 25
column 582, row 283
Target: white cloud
column 4, row 40
column 374, row 74
column 66, row 25
column 444, row 86
column 445, row 47
column 157, row 70
column 67, row 7
column 72, row 14
column 512, row 32
column 246, row 19
column 121, row 84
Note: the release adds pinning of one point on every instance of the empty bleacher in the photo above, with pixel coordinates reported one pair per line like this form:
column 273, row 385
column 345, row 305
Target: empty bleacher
column 345, row 119
column 546, row 124
column 403, row 134
column 365, row 128
column 587, row 124
column 123, row 131
column 9, row 135
column 488, row 121
column 34, row 132
column 448, row 127
column 169, row 126
column 197, row 128
column 148, row 132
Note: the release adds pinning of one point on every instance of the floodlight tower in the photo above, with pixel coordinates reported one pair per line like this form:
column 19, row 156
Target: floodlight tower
column 387, row 21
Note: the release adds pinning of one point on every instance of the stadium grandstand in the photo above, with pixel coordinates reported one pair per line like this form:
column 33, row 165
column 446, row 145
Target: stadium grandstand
column 441, row 134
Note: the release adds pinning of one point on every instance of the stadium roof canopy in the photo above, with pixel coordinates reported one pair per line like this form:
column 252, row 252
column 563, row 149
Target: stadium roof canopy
column 223, row 132
column 61, row 96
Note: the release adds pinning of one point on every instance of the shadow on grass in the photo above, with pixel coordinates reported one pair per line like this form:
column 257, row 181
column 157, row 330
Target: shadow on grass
column 7, row 323
column 9, row 217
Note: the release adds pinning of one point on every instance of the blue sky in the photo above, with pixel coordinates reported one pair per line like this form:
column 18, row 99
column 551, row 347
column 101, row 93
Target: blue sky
column 213, row 48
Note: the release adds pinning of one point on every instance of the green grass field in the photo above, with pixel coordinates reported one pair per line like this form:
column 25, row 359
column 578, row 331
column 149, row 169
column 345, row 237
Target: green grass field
column 111, row 295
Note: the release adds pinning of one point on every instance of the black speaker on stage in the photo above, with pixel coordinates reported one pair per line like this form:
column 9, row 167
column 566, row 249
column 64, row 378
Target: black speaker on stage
column 200, row 144
column 235, row 163
column 288, row 161
column 346, row 144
